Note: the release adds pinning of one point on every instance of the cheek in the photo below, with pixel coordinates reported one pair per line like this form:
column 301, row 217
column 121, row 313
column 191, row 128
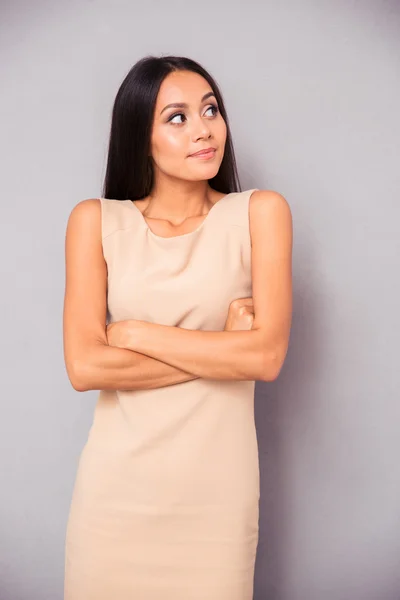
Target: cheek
column 221, row 131
column 169, row 150
column 168, row 143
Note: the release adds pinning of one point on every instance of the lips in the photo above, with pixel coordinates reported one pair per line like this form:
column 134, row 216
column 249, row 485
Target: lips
column 204, row 152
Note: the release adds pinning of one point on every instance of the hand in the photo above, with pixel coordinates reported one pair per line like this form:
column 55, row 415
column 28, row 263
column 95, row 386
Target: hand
column 125, row 334
column 240, row 315
column 113, row 332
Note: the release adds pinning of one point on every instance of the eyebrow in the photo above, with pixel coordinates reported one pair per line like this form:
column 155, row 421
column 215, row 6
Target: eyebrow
column 184, row 105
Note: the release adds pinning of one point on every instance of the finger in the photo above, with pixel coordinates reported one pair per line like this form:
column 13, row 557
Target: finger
column 242, row 301
column 246, row 309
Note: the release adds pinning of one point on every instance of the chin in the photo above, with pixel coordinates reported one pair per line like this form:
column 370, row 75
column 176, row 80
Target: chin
column 207, row 170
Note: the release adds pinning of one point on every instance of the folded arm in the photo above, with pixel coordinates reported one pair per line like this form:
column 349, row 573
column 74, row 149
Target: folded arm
column 155, row 355
column 258, row 354
column 237, row 355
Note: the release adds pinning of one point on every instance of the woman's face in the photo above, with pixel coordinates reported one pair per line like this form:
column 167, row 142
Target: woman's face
column 178, row 132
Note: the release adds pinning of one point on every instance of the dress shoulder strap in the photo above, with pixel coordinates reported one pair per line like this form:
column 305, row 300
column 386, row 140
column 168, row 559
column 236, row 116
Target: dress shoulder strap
column 238, row 207
column 116, row 215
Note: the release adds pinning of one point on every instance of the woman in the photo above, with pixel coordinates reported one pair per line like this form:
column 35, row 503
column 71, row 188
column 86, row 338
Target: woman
column 194, row 280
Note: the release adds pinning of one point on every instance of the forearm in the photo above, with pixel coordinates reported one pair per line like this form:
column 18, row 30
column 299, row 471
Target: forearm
column 109, row 368
column 154, row 373
column 235, row 355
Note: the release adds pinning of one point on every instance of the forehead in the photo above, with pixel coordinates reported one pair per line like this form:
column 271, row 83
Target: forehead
column 182, row 86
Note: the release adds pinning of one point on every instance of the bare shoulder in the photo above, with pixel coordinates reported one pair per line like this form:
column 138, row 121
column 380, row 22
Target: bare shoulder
column 267, row 202
column 84, row 217
column 86, row 210
column 269, row 215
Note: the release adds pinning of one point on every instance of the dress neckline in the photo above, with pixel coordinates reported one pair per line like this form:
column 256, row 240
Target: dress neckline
column 182, row 235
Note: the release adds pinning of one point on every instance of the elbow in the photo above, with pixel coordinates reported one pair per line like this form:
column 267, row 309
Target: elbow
column 80, row 386
column 85, row 366
column 271, row 355
column 78, row 379
column 272, row 364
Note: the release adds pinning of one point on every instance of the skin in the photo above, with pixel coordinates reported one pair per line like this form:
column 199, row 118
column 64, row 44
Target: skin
column 181, row 196
column 135, row 354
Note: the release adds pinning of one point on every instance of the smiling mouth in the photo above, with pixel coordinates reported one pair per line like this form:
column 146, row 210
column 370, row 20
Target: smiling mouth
column 203, row 153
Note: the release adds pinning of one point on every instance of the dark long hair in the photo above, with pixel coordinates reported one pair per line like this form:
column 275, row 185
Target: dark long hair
column 129, row 172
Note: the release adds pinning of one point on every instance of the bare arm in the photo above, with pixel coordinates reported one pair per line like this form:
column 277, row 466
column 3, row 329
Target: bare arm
column 91, row 362
column 128, row 371
column 236, row 355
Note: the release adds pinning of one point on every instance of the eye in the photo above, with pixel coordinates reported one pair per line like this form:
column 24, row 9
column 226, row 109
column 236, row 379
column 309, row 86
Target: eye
column 214, row 107
column 170, row 120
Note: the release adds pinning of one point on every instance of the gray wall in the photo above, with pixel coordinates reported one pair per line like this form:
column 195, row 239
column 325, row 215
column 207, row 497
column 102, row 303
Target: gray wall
column 313, row 93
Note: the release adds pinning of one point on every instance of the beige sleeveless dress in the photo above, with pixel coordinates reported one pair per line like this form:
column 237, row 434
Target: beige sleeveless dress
column 166, row 499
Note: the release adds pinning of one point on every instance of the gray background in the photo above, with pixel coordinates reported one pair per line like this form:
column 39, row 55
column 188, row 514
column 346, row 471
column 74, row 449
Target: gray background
column 313, row 93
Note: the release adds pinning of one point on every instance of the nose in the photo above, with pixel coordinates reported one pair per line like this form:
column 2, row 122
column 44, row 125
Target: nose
column 201, row 129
